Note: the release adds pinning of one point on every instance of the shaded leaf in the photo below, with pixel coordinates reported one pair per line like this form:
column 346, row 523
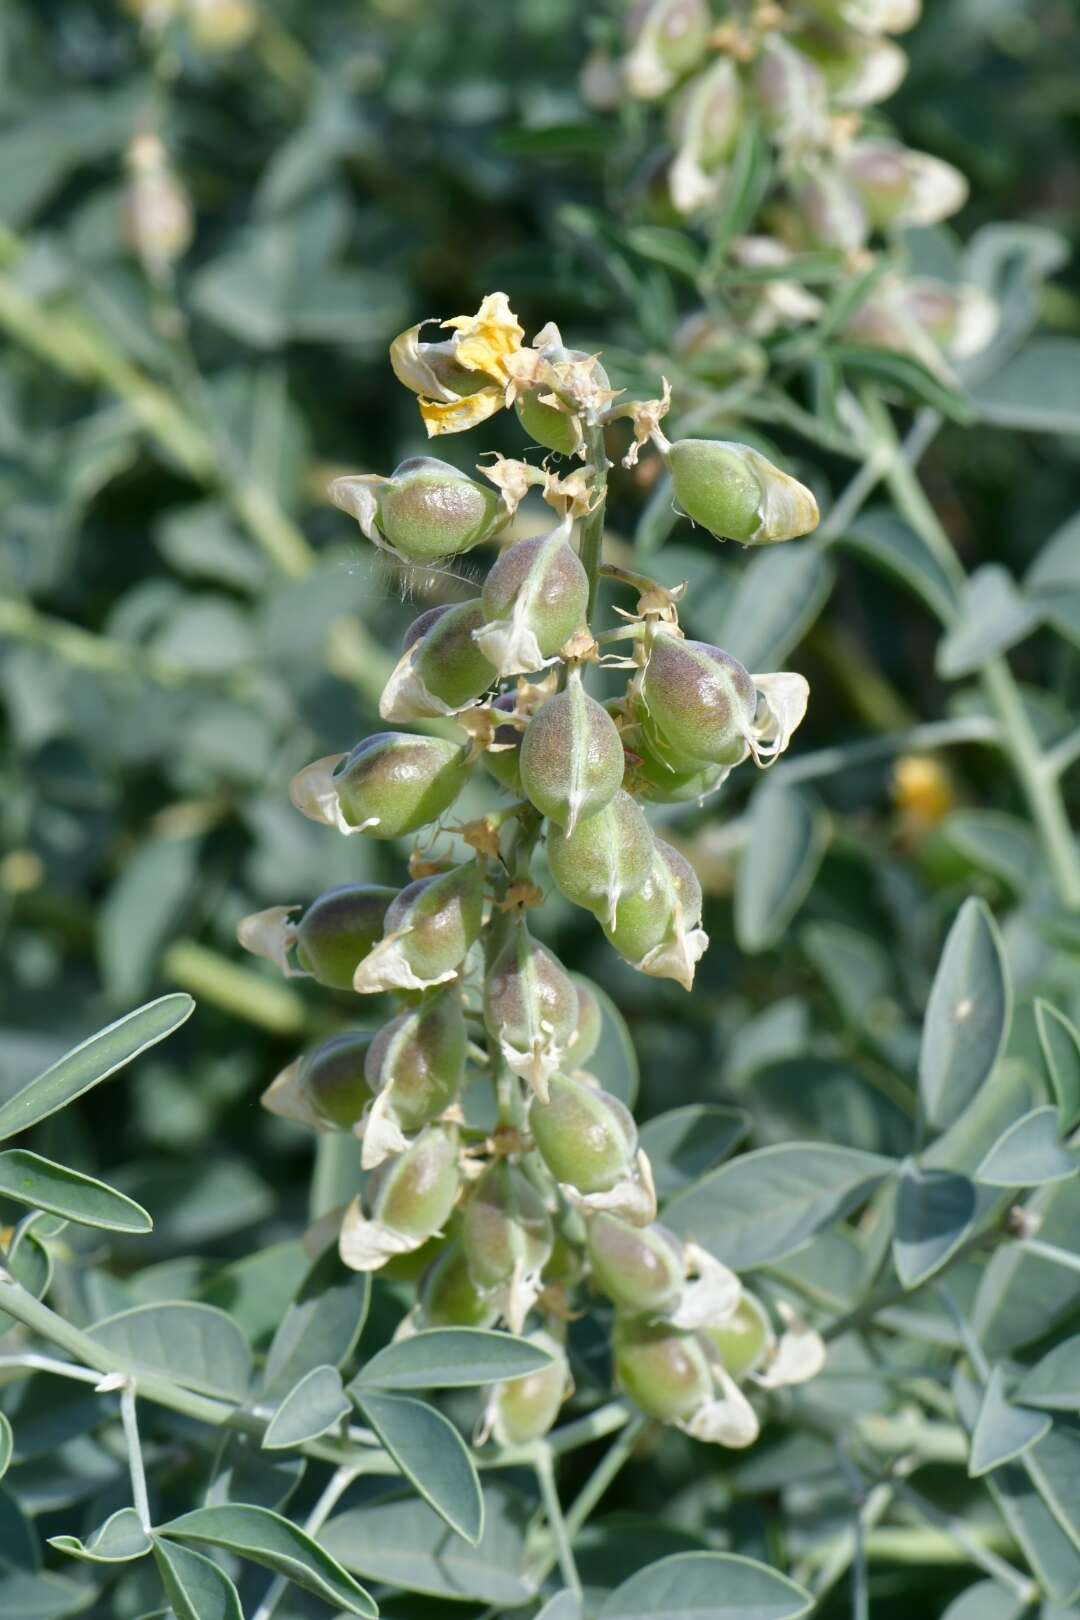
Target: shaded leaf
column 7, row 1442
column 786, row 839
column 967, row 1017
column 449, row 1358
column 1053, row 580
column 1060, row 1043
column 1037, row 391
column 994, row 842
column 936, row 1212
column 1002, row 1431
column 30, row 1179
column 993, row 617
column 39, row 1596
column 194, row 1585
column 316, row 1404
column 1029, row 1154
column 1022, row 1297
column 197, row 1345
column 1054, row 1382
column 118, row 1540
column 321, row 1326
column 778, row 595
column 685, row 1143
column 432, row 1455
column 883, row 537
column 706, row 1586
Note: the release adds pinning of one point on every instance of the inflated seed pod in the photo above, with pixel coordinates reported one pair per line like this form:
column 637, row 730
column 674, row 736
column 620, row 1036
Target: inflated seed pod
column 737, row 494
column 555, row 429
column 705, row 124
column 530, row 1007
column 534, row 598
column 604, row 858
column 669, row 37
column 639, row 1268
column 586, row 1137
column 571, row 758
column 419, row 1058
column 590, row 1024
column 503, row 762
column 900, row 188
column 829, row 207
column 410, row 1197
column 447, row 1295
column 326, row 1087
column 338, row 929
column 664, row 1371
column 522, row 1409
column 792, row 94
column 389, row 785
column 657, row 929
column 428, row 930
column 860, row 70
column 695, row 703
column 741, row 1342
column 506, row 1229
column 441, row 669
column 424, row 511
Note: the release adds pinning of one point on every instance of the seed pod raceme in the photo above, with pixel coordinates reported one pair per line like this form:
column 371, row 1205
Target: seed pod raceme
column 571, row 756
column 429, row 929
column 521, row 1410
column 326, row 1088
column 410, row 1198
column 590, row 1024
column 507, row 1238
column 530, row 1007
column 389, row 785
column 639, row 1268
column 425, row 511
column 669, row 39
column 603, row 859
column 415, row 1066
column 588, row 1141
column 737, row 494
column 658, row 929
column 534, row 598
column 441, row 670
column 335, row 931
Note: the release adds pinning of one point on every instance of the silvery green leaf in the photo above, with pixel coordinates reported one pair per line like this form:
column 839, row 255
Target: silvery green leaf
column 1029, row 1154
column 967, row 1017
column 36, row 1595
column 685, row 1143
column 706, row 1586
column 786, row 838
column 1053, row 580
column 432, row 1455
column 1037, row 391
column 1060, row 1043
column 1021, row 1296
column 321, row 1326
column 196, row 1345
column 316, row 1404
column 120, row 1539
column 1002, row 1431
column 1054, row 1382
column 937, row 1211
column 883, row 537
column 778, row 596
column 29, row 1179
column 993, row 616
column 449, row 1358
column 995, row 842
column 7, row 1442
column 196, row 1587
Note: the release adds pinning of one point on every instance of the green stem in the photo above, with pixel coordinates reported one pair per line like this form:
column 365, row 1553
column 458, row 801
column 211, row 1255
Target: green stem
column 557, row 1527
column 136, row 1468
column 336, row 1486
column 592, row 528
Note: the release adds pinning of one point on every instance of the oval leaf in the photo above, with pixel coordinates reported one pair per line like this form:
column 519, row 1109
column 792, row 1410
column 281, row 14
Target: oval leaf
column 685, row 1143
column 196, row 1588
column 785, row 842
column 767, row 1204
column 993, row 617
column 936, row 1211
column 967, row 1017
column 1054, row 1382
column 706, row 1586
column 39, row 1596
column 268, row 1539
column 196, row 1345
column 1060, row 1043
column 321, row 1326
column 7, row 1444
column 430, row 1452
column 119, row 1539
column 316, row 1404
column 448, row 1358
column 1029, row 1154
column 95, row 1060
column 30, row 1179
column 1002, row 1431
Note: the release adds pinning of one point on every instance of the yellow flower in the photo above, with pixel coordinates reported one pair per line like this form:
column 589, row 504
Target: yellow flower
column 464, row 379
column 922, row 791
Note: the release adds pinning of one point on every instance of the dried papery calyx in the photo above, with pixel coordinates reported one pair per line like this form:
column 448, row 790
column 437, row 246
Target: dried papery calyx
column 425, row 511
column 521, row 1410
column 410, row 1198
column 326, row 1088
column 639, row 1268
column 389, row 785
column 694, row 703
column 590, row 1024
column 737, row 494
column 663, row 1370
column 530, row 1007
column 447, row 1295
column 658, row 929
column 541, row 413
column 669, row 38
column 705, row 125
column 429, row 929
column 415, row 1067
column 441, row 670
column 571, row 757
column 586, row 1137
column 900, row 188
column 792, row 94
column 507, row 1237
column 829, row 209
column 534, row 598
column 604, row 859
column 330, row 938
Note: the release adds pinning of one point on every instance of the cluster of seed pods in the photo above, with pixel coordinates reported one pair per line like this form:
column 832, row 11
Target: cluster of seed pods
column 800, row 83
column 486, row 1142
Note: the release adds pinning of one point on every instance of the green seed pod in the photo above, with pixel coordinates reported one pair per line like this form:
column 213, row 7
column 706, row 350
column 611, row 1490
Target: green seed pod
column 555, row 429
column 530, row 1007
column 695, row 703
column 740, row 1344
column 506, row 1230
column 325, row 1088
column 639, row 1268
column 657, row 929
column 590, row 1025
column 792, row 94
column 391, row 784
column 902, row 189
column 705, row 124
column 441, row 670
column 649, row 777
column 447, row 1295
column 419, row 1058
column 586, row 1137
column 503, row 762
column 338, row 929
column 571, row 756
column 664, row 1371
column 522, row 1409
column 429, row 929
column 424, row 511
column 737, row 494
column 603, row 859
column 669, row 38
column 535, row 597
column 410, row 1197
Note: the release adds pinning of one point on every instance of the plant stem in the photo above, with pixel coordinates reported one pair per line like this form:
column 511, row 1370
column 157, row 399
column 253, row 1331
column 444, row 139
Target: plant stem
column 592, row 528
column 557, row 1527
column 1049, row 1251
column 602, row 1475
column 136, row 1469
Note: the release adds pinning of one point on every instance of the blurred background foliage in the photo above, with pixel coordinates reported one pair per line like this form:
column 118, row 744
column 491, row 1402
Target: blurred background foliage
column 184, row 621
